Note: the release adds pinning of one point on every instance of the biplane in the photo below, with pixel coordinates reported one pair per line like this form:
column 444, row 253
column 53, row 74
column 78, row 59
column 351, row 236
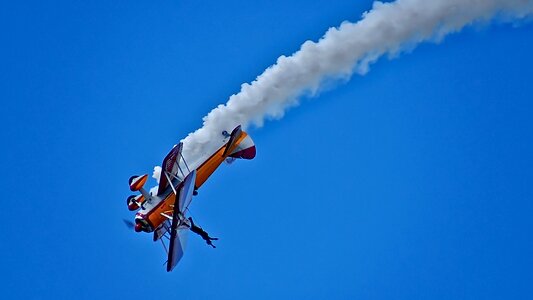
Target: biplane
column 163, row 212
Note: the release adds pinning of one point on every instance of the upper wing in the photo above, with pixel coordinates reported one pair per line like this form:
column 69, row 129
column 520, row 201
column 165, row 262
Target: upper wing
column 186, row 192
column 170, row 166
column 177, row 247
column 175, row 251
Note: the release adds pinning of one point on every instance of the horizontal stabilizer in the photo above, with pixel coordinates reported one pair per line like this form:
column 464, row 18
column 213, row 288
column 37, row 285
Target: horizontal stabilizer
column 235, row 135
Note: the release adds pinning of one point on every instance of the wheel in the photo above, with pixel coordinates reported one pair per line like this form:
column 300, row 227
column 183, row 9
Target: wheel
column 132, row 178
column 131, row 203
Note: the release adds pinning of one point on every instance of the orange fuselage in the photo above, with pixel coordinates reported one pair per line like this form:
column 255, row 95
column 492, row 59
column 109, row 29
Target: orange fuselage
column 156, row 217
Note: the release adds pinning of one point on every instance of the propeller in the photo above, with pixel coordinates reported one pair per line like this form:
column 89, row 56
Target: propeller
column 129, row 223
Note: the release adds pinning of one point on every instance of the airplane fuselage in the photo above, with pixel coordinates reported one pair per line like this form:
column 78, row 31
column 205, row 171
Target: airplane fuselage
column 158, row 209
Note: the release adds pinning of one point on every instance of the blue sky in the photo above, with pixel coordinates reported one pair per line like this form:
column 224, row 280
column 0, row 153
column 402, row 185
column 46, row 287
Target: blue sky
column 412, row 182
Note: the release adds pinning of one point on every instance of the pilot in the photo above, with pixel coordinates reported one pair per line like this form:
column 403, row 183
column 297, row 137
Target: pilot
column 199, row 231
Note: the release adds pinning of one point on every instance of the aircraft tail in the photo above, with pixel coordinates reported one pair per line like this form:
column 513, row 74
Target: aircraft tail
column 240, row 145
column 245, row 149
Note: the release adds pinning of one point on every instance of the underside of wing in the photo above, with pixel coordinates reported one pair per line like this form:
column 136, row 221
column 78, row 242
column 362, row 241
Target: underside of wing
column 176, row 247
column 186, row 192
column 170, row 166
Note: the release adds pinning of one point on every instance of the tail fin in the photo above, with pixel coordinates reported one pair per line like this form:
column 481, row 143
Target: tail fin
column 240, row 145
column 233, row 139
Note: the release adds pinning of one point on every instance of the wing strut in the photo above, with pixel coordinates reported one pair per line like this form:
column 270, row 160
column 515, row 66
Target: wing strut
column 170, row 165
column 164, row 246
column 183, row 158
column 171, row 185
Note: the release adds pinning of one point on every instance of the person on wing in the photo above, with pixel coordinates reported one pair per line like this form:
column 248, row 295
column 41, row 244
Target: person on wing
column 199, row 231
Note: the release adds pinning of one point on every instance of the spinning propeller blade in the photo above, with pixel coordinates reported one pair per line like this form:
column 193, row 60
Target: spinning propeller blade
column 129, row 223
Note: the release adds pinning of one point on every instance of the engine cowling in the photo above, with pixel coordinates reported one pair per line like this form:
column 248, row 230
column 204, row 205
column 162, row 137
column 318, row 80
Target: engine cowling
column 137, row 182
column 141, row 225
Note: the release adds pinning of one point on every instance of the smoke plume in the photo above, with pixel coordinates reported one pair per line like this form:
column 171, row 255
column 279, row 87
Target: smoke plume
column 388, row 28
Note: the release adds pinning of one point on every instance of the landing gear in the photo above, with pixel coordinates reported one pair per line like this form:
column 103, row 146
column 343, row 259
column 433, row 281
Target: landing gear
column 132, row 205
column 131, row 179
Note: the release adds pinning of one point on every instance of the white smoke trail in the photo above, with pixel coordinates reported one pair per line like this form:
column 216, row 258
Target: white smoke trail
column 388, row 28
